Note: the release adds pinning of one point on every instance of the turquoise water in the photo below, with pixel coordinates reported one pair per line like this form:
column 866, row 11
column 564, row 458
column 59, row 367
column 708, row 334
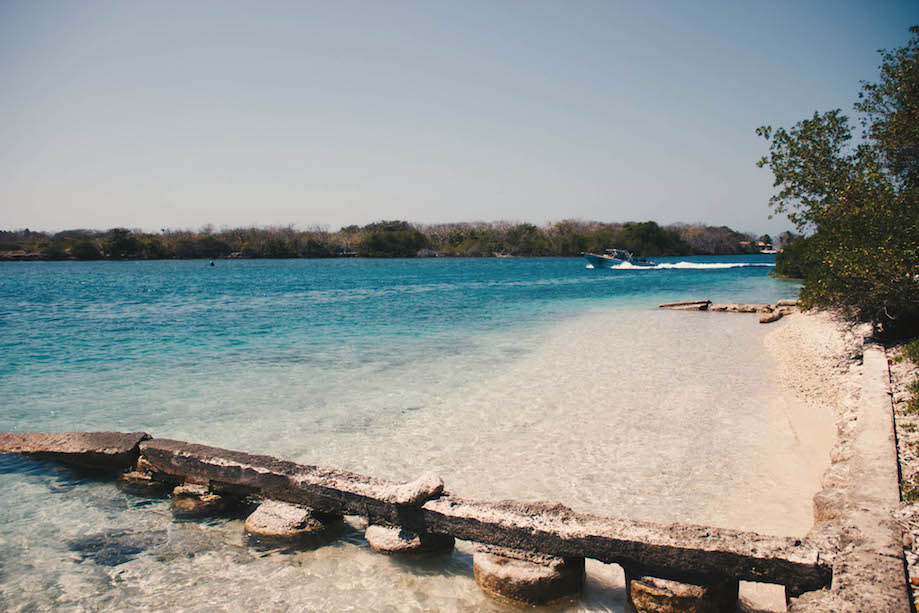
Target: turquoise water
column 526, row 378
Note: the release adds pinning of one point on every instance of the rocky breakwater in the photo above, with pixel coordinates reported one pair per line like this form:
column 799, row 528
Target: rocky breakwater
column 768, row 312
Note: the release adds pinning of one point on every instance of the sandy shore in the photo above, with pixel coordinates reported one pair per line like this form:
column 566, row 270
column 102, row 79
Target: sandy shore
column 819, row 356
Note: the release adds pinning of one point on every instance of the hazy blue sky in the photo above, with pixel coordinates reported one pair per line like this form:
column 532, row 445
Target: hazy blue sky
column 177, row 114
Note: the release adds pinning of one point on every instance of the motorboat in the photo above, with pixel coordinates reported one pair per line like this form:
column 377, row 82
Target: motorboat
column 616, row 257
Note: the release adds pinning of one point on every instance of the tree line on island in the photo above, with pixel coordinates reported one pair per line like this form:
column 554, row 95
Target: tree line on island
column 384, row 239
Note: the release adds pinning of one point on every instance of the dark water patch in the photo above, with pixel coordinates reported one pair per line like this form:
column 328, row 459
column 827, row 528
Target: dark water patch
column 451, row 563
column 60, row 477
column 15, row 464
column 115, row 547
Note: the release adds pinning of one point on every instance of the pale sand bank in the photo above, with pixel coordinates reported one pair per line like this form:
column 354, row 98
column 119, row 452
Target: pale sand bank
column 812, row 353
column 816, row 354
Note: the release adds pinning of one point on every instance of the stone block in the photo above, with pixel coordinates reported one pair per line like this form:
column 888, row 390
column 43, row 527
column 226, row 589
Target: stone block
column 769, row 317
column 414, row 493
column 281, row 524
column 395, row 540
column 142, row 484
column 653, row 595
column 837, row 475
column 193, row 500
column 829, row 504
column 525, row 578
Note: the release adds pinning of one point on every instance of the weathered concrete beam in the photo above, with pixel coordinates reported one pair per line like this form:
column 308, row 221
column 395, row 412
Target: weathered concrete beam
column 692, row 554
column 679, row 552
column 105, row 450
column 327, row 490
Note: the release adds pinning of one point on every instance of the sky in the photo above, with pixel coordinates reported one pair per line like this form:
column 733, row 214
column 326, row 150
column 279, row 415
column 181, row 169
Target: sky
column 175, row 114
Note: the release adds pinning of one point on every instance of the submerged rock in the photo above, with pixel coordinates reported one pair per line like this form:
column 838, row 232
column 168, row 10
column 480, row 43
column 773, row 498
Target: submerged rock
column 142, row 483
column 114, row 547
column 194, row 500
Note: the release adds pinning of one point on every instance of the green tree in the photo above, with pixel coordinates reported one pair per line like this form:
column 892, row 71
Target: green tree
column 648, row 238
column 86, row 250
column 121, row 244
column 391, row 239
column 891, row 111
column 857, row 204
column 53, row 250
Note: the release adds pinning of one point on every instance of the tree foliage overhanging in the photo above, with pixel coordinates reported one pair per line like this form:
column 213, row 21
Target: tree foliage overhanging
column 381, row 239
column 855, row 199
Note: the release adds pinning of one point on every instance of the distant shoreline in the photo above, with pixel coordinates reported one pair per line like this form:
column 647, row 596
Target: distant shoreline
column 39, row 257
column 384, row 239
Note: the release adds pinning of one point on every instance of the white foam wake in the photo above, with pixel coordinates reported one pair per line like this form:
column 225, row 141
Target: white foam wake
column 692, row 266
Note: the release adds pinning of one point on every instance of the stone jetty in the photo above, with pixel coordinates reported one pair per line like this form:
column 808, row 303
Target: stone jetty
column 527, row 553
column 768, row 312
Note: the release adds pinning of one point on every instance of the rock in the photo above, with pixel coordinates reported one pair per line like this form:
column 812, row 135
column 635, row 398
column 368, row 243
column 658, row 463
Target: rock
column 281, row 524
column 841, row 452
column 194, row 500
column 145, row 466
column 527, row 578
column 142, row 483
column 769, row 317
column 837, row 475
column 394, row 540
column 786, row 302
column 829, row 504
column 414, row 493
column 100, row 450
column 653, row 595
column 741, row 308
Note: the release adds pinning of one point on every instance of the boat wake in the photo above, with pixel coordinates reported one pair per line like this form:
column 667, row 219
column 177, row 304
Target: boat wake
column 690, row 266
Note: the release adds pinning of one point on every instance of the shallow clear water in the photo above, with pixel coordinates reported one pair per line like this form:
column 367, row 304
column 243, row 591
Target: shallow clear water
column 512, row 378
